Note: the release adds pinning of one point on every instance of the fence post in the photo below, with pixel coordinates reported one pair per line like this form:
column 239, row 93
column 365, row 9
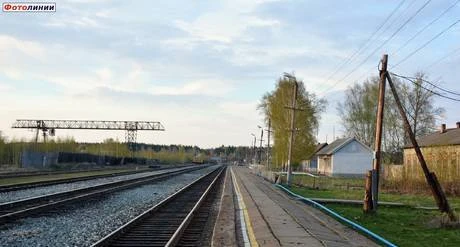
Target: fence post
column 367, row 206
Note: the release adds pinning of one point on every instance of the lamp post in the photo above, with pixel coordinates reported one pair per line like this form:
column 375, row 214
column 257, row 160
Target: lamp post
column 292, row 130
column 254, row 147
column 260, row 148
column 268, row 144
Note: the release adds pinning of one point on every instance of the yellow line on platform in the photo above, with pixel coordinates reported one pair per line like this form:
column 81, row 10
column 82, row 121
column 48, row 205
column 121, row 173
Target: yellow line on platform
column 249, row 230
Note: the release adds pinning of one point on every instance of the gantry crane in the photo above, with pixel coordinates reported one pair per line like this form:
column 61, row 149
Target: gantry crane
column 50, row 126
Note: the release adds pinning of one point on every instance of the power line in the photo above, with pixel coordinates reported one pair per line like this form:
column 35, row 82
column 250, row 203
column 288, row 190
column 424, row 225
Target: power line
column 381, row 45
column 398, row 17
column 453, row 52
column 365, row 44
column 427, row 89
column 426, row 81
column 425, row 44
column 420, row 31
column 410, row 4
column 426, row 26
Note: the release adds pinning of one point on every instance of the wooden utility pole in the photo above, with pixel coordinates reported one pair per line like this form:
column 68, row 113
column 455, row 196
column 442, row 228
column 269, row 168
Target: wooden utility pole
column 378, row 134
column 431, row 178
column 261, row 139
column 291, row 138
column 254, row 148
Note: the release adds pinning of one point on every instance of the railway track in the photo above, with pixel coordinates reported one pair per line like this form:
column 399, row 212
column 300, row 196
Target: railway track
column 176, row 221
column 11, row 211
column 14, row 187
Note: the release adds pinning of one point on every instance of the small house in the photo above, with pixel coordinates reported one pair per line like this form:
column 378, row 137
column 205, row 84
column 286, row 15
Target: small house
column 311, row 165
column 345, row 157
column 441, row 151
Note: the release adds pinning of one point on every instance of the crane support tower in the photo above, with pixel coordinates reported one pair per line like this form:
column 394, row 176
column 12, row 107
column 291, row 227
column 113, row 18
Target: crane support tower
column 50, row 126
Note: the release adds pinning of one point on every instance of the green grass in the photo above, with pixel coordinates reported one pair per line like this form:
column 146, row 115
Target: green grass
column 402, row 226
column 31, row 179
column 409, row 199
column 328, row 182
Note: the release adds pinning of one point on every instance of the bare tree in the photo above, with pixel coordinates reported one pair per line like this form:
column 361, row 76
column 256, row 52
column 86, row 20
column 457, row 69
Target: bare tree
column 419, row 105
column 358, row 110
column 358, row 113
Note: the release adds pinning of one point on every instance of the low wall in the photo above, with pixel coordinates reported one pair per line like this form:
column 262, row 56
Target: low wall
column 43, row 160
column 38, row 160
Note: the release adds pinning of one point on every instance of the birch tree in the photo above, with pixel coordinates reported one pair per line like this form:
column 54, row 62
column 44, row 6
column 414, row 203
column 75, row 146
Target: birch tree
column 274, row 106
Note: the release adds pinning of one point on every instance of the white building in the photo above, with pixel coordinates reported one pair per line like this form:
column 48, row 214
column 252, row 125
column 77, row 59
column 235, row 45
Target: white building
column 345, row 157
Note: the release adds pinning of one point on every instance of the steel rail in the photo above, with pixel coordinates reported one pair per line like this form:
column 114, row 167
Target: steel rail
column 21, row 186
column 11, row 211
column 178, row 233
column 119, row 232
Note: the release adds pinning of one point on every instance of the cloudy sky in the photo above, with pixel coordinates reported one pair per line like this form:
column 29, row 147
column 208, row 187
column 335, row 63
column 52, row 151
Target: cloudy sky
column 200, row 67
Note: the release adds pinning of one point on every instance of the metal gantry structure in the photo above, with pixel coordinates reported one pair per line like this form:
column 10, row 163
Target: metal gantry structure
column 48, row 127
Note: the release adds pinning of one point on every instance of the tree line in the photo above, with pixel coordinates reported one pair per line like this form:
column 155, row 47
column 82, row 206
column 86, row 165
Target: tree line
column 357, row 112
column 10, row 150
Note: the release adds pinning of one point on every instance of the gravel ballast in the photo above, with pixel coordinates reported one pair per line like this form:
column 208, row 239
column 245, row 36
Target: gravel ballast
column 45, row 190
column 83, row 224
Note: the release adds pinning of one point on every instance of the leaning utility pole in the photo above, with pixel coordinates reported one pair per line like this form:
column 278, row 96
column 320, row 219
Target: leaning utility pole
column 378, row 134
column 430, row 177
column 372, row 178
column 291, row 138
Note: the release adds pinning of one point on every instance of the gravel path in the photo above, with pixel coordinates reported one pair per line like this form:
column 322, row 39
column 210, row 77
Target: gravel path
column 85, row 223
column 44, row 190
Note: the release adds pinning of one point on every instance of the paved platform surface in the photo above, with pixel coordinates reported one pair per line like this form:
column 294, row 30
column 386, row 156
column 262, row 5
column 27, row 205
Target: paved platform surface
column 278, row 220
column 225, row 229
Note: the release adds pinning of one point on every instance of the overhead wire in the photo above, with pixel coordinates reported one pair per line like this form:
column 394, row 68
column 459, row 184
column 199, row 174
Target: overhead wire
column 453, row 52
column 380, row 46
column 425, row 44
column 427, row 89
column 365, row 44
column 428, row 82
column 401, row 15
column 426, row 26
column 420, row 31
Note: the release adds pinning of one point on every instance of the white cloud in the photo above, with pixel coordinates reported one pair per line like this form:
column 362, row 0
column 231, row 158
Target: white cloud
column 10, row 45
column 15, row 53
column 99, row 70
column 239, row 109
column 177, row 62
column 226, row 23
column 79, row 22
column 202, row 87
column 12, row 72
column 105, row 13
column 223, row 26
column 4, row 88
column 258, row 22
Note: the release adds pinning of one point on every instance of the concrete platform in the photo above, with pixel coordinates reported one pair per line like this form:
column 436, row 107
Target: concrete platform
column 225, row 229
column 271, row 218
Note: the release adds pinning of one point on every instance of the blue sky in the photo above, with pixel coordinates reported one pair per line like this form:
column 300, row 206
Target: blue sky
column 200, row 67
